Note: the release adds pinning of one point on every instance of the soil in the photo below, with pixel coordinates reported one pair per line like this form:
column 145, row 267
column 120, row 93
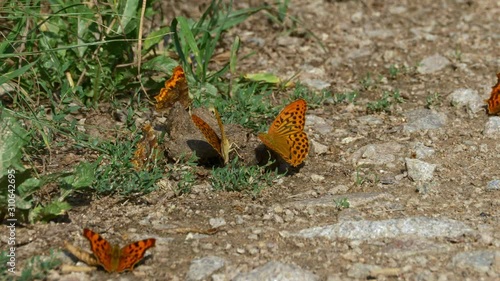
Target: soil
column 352, row 40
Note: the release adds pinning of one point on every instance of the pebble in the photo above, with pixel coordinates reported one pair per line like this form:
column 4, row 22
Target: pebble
column 277, row 271
column 201, row 269
column 317, row 178
column 361, row 271
column 492, row 126
column 422, row 151
column 467, row 97
column 216, row 222
column 432, row 64
column 391, row 228
column 424, row 119
column 376, row 154
column 419, row 170
column 493, row 185
column 481, row 261
column 319, row 124
column 316, row 83
column 319, row 148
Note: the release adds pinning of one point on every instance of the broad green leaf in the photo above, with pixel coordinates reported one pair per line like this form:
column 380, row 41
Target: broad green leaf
column 161, row 64
column 83, row 175
column 269, row 78
column 154, row 38
column 263, row 77
column 129, row 13
column 13, row 137
column 48, row 212
column 29, row 186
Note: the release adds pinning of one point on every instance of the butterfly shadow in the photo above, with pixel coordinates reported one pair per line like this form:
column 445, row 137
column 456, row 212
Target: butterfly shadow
column 206, row 154
column 273, row 162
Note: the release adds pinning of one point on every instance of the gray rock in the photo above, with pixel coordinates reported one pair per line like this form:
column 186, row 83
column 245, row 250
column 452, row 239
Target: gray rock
column 369, row 230
column 370, row 120
column 467, row 97
column 419, row 170
column 410, row 246
column 217, row 222
column 277, row 271
column 492, row 127
column 424, row 119
column 481, row 261
column 319, row 124
column 379, row 33
column 73, row 276
column 202, row 268
column 361, row 271
column 493, row 185
column 376, row 154
column 316, row 83
column 355, row 200
column 422, row 151
column 432, row 64
column 319, row 148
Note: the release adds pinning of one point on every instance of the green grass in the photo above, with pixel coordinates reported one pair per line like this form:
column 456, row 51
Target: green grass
column 234, row 177
column 37, row 268
column 393, row 71
column 70, row 58
column 433, row 100
column 385, row 103
column 348, row 97
column 342, row 203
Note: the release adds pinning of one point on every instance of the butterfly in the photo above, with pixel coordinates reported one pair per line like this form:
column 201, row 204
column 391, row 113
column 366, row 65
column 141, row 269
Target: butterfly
column 147, row 148
column 114, row 259
column 494, row 100
column 286, row 135
column 221, row 145
column 176, row 89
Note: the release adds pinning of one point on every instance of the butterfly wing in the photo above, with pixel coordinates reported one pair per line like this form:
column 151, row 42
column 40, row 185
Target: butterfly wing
column 292, row 148
column 277, row 144
column 286, row 135
column 299, row 148
column 101, row 248
column 176, row 89
column 290, row 120
column 147, row 148
column 80, row 254
column 494, row 100
column 133, row 253
column 208, row 133
column 224, row 142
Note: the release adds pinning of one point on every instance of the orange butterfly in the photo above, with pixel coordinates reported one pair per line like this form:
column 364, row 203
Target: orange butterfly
column 286, row 135
column 114, row 259
column 147, row 148
column 176, row 89
column 494, row 100
column 221, row 145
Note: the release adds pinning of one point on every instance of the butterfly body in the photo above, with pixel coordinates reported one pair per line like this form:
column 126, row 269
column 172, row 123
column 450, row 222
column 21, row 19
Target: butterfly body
column 113, row 258
column 286, row 134
column 494, row 100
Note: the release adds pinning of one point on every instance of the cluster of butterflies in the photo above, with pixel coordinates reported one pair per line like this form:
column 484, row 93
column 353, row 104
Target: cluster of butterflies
column 286, row 135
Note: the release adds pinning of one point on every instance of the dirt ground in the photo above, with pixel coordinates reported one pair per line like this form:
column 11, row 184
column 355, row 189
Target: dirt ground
column 361, row 39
